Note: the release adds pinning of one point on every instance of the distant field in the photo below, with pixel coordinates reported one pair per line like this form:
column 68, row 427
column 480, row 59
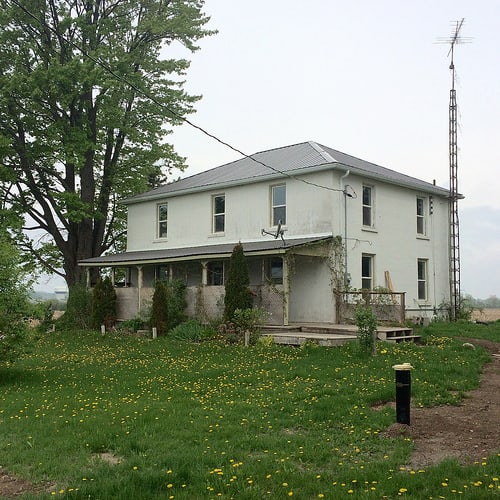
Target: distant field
column 486, row 315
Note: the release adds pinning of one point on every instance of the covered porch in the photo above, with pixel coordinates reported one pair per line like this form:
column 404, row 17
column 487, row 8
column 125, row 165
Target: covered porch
column 291, row 279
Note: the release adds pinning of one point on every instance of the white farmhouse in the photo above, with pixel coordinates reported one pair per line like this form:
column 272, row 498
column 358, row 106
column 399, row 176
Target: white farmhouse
column 311, row 221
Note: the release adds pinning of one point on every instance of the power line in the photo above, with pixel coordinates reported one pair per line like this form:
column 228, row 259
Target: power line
column 170, row 110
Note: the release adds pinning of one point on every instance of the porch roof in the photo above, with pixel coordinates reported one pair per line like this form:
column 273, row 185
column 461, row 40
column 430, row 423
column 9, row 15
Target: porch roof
column 266, row 247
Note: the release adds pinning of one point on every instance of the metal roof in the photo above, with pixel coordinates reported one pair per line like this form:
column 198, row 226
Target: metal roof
column 281, row 162
column 270, row 246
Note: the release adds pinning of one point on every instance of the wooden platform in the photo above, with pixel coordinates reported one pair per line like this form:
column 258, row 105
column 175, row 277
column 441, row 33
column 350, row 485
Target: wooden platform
column 332, row 335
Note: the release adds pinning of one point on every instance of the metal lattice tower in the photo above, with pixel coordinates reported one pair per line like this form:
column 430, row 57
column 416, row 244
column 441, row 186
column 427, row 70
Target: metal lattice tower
column 454, row 229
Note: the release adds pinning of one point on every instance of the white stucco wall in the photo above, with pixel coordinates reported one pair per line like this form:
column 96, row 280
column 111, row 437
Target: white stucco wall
column 393, row 239
column 248, row 210
column 311, row 296
column 395, row 245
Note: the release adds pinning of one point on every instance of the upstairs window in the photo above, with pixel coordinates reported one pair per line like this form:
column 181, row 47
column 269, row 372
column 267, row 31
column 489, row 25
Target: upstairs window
column 367, row 206
column 422, row 279
column 218, row 213
column 278, row 195
column 367, row 272
column 421, row 216
column 162, row 220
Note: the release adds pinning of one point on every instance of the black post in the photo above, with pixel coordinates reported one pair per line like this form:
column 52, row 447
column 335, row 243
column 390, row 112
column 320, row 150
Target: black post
column 403, row 392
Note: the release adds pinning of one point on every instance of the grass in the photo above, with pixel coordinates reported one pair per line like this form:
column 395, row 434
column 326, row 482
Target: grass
column 123, row 417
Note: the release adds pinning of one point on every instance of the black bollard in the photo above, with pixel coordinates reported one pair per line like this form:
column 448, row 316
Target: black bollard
column 403, row 392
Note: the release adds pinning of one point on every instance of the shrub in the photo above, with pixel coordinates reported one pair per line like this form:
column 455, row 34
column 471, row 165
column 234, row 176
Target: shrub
column 238, row 295
column 78, row 313
column 169, row 302
column 244, row 320
column 14, row 303
column 192, row 330
column 132, row 325
column 43, row 312
column 104, row 304
column 159, row 308
column 366, row 322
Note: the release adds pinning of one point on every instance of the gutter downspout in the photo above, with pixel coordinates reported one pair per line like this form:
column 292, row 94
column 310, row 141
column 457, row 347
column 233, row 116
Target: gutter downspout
column 342, row 187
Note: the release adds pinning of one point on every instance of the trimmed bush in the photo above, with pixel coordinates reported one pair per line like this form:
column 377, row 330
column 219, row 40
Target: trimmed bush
column 78, row 315
column 169, row 302
column 104, row 304
column 238, row 295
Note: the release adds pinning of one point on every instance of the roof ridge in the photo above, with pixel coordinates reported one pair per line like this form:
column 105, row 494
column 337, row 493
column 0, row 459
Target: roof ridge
column 318, row 148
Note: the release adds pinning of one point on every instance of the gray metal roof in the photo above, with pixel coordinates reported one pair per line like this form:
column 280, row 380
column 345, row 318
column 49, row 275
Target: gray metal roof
column 270, row 246
column 282, row 162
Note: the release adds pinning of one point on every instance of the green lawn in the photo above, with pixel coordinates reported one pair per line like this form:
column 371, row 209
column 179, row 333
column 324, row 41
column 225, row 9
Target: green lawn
column 123, row 417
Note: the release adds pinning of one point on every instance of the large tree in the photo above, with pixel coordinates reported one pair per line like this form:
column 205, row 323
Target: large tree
column 87, row 95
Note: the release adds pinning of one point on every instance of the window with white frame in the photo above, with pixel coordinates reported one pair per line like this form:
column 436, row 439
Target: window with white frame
column 421, row 216
column 162, row 216
column 275, row 270
column 367, row 271
column 422, row 279
column 278, row 195
column 367, row 206
column 218, row 213
column 215, row 273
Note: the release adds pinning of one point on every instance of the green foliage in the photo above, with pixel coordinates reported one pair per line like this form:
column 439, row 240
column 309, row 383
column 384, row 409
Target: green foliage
column 238, row 295
column 159, row 308
column 244, row 321
column 43, row 312
column 78, row 315
column 132, row 325
column 464, row 312
column 192, row 420
column 193, row 331
column 462, row 329
column 75, row 131
column 491, row 302
column 366, row 321
column 104, row 303
column 168, row 305
column 14, row 302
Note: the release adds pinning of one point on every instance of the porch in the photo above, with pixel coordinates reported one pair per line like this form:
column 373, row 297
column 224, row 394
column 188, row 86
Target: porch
column 330, row 335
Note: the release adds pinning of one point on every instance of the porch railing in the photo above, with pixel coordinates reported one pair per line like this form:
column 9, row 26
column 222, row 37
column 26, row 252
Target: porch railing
column 388, row 306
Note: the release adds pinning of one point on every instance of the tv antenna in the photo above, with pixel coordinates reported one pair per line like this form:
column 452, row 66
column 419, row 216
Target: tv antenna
column 277, row 234
column 454, row 226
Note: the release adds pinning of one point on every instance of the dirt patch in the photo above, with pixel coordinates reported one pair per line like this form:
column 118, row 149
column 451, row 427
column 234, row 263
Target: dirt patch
column 468, row 432
column 109, row 458
column 12, row 486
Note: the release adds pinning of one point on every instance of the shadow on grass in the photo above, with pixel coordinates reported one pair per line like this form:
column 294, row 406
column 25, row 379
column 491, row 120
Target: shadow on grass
column 13, row 375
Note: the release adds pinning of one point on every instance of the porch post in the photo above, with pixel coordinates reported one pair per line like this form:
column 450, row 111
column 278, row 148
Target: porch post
column 286, row 290
column 87, row 276
column 139, row 287
column 204, row 272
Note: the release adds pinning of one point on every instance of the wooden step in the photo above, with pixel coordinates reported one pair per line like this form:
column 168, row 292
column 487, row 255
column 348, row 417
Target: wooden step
column 405, row 338
column 299, row 338
column 332, row 335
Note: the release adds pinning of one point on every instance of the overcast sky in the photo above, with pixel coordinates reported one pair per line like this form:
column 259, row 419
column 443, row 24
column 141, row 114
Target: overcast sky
column 367, row 78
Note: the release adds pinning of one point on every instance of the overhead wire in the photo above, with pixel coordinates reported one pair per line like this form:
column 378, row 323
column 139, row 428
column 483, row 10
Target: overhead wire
column 170, row 110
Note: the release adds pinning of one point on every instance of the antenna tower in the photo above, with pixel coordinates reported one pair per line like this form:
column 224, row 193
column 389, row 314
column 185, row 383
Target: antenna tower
column 454, row 226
